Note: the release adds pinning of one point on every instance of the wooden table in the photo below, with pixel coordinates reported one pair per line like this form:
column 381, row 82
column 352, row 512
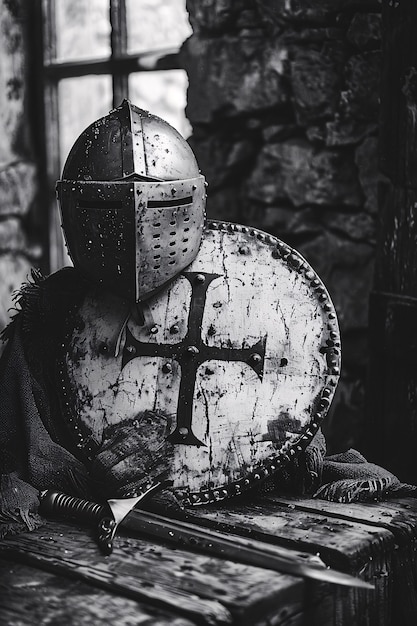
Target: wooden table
column 56, row 575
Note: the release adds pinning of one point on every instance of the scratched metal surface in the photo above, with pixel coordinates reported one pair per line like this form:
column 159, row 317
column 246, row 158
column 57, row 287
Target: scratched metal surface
column 263, row 336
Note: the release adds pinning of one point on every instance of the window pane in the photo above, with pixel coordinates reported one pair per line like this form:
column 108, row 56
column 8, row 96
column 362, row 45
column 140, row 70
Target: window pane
column 162, row 93
column 81, row 101
column 82, row 29
column 156, row 24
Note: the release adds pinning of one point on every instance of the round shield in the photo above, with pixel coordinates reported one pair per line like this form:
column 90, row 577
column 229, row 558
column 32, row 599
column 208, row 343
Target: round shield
column 226, row 373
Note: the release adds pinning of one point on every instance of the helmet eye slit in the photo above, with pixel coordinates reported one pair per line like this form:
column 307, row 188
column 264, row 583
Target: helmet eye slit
column 162, row 204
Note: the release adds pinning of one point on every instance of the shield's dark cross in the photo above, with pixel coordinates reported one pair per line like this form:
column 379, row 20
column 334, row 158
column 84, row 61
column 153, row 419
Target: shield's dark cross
column 190, row 353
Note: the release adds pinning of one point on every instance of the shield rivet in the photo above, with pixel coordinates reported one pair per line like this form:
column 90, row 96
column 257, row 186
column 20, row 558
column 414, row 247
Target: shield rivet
column 255, row 358
column 154, row 330
column 183, row 432
column 167, row 368
column 200, row 278
column 131, row 349
column 192, row 350
column 174, row 329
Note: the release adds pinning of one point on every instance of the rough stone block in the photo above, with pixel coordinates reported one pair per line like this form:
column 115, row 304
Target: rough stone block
column 240, row 76
column 346, row 268
column 294, row 170
column 316, row 83
column 354, row 226
column 214, row 15
column 365, row 30
column 366, row 159
column 290, row 224
column 225, row 204
column 360, row 99
column 316, row 11
column 340, row 132
column 221, row 155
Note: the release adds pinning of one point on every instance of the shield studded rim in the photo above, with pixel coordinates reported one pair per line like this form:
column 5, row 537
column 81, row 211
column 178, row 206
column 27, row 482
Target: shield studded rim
column 289, row 450
column 272, row 464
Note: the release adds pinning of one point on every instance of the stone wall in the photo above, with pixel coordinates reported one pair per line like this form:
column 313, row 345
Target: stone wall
column 283, row 100
column 18, row 175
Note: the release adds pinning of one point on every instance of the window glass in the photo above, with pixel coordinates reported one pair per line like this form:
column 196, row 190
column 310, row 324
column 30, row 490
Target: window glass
column 163, row 93
column 82, row 29
column 156, row 24
column 81, row 101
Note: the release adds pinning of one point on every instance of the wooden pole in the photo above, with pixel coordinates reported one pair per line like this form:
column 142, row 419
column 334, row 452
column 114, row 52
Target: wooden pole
column 392, row 424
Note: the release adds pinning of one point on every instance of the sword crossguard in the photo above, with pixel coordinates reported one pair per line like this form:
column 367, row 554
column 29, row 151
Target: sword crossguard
column 107, row 516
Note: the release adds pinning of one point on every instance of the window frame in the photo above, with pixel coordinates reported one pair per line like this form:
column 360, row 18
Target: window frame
column 119, row 66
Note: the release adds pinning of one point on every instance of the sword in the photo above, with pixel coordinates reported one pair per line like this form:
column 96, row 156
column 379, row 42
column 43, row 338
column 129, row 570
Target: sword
column 189, row 535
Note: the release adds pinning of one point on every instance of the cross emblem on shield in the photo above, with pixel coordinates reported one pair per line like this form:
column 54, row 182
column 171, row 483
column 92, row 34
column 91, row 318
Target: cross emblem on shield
column 190, row 353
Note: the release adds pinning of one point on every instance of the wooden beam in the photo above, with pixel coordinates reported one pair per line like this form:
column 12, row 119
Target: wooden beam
column 146, row 62
column 118, row 40
column 392, row 411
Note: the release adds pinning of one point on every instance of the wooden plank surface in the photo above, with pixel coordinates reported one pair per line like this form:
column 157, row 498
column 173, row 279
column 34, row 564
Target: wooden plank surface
column 202, row 589
column 345, row 544
column 375, row 541
column 31, row 596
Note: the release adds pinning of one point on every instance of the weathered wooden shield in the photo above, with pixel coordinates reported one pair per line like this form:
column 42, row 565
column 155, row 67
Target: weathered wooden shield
column 230, row 371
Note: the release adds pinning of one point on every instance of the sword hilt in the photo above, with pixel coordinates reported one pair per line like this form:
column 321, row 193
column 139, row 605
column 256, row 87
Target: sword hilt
column 62, row 504
column 55, row 502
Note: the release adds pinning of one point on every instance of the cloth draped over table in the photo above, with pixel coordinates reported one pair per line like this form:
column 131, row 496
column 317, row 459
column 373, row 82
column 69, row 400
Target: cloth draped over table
column 32, row 452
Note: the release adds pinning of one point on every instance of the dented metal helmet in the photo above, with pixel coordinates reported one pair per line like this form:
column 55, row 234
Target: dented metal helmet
column 132, row 202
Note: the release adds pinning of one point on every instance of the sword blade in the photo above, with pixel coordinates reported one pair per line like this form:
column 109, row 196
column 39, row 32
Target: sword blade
column 189, row 535
column 235, row 548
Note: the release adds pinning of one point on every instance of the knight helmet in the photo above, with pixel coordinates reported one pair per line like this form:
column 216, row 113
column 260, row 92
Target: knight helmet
column 132, row 203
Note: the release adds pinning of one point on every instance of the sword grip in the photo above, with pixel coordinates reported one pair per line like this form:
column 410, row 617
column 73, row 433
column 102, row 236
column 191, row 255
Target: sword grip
column 56, row 503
